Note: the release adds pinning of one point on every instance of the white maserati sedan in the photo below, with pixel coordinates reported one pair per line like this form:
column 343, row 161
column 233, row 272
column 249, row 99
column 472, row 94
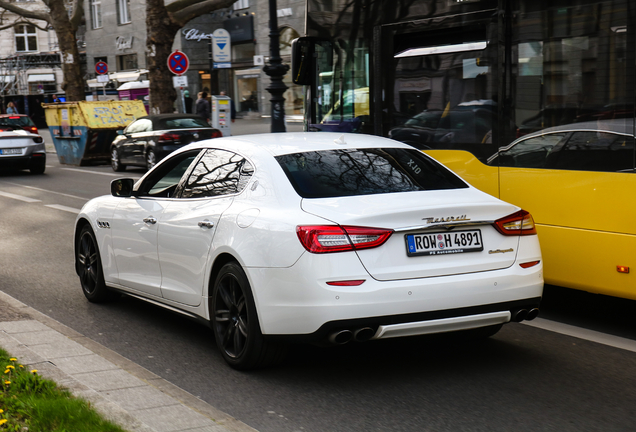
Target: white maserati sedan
column 315, row 237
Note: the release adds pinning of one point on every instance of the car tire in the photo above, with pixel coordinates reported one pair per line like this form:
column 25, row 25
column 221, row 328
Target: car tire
column 151, row 159
column 235, row 322
column 37, row 169
column 115, row 160
column 89, row 268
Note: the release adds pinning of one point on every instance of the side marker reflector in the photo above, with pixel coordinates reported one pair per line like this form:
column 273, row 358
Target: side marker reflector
column 622, row 269
column 529, row 264
column 347, row 283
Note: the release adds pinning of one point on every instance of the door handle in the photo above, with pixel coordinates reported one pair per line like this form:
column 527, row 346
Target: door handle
column 150, row 220
column 206, row 224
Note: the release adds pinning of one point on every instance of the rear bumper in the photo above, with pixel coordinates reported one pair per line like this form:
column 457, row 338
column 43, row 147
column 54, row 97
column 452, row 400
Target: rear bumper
column 423, row 323
column 297, row 300
column 33, row 160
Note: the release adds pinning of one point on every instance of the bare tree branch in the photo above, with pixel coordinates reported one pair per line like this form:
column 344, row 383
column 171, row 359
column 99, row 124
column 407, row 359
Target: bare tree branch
column 196, row 8
column 42, row 16
column 15, row 23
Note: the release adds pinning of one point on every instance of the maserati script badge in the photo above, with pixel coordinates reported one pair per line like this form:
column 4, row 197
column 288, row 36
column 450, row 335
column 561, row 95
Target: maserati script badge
column 432, row 220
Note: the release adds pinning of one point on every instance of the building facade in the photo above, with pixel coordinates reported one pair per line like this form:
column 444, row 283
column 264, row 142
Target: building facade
column 116, row 35
column 30, row 70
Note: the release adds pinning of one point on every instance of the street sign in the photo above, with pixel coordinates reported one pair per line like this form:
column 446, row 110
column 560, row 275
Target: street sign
column 178, row 63
column 102, row 78
column 180, row 81
column 101, row 68
column 221, row 46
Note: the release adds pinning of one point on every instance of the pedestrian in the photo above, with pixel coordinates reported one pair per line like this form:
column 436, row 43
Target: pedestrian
column 188, row 102
column 11, row 108
column 203, row 106
column 232, row 109
column 55, row 99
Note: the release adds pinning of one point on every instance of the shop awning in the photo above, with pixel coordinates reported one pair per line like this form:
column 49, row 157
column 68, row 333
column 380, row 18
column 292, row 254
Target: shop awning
column 41, row 77
column 127, row 75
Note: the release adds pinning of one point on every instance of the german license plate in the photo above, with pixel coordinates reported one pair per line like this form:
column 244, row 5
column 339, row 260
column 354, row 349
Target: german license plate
column 442, row 243
column 10, row 151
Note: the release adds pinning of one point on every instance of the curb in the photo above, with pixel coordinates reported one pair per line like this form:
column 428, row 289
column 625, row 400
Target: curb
column 121, row 390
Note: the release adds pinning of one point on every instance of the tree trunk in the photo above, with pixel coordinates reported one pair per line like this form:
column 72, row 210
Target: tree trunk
column 74, row 84
column 161, row 32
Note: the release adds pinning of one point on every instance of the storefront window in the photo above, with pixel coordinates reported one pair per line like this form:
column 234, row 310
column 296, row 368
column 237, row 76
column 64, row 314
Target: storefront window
column 247, row 93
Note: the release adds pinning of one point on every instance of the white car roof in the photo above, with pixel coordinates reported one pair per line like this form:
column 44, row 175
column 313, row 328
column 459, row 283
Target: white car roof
column 293, row 142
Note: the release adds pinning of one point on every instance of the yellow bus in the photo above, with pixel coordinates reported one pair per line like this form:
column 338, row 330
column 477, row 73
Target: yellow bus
column 531, row 101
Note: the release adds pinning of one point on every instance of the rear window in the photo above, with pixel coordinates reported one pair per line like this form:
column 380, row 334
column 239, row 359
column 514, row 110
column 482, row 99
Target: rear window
column 16, row 121
column 349, row 172
column 180, row 123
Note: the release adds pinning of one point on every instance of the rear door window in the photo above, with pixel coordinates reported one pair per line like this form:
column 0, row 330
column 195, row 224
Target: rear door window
column 595, row 151
column 350, row 172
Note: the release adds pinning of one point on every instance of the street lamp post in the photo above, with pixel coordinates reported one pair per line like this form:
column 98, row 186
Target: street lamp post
column 276, row 70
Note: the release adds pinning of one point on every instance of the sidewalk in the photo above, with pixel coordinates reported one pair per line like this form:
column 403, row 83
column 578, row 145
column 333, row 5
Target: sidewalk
column 122, row 391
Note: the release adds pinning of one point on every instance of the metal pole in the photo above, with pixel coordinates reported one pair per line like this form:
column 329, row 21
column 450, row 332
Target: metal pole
column 214, row 75
column 276, row 70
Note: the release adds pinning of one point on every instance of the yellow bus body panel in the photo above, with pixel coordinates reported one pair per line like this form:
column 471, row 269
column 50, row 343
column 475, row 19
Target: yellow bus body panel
column 586, row 221
column 468, row 167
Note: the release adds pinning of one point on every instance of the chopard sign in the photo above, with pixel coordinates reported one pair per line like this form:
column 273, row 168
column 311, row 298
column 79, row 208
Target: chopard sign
column 432, row 220
column 194, row 34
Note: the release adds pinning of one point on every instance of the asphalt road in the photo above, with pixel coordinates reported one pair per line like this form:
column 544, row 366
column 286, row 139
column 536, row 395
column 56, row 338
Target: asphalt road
column 525, row 378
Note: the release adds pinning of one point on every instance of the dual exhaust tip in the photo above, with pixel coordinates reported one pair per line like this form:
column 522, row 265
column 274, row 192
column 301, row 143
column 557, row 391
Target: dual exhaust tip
column 519, row 315
column 341, row 337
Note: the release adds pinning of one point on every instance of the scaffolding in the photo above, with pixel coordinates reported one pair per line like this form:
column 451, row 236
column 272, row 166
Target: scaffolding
column 14, row 68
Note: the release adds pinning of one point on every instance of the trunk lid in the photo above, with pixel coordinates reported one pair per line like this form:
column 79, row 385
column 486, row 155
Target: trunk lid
column 427, row 215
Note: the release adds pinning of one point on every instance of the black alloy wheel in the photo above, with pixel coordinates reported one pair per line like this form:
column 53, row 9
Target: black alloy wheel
column 115, row 161
column 38, row 168
column 89, row 268
column 235, row 322
column 151, row 159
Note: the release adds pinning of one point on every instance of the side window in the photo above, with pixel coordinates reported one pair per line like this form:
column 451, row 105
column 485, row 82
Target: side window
column 164, row 181
column 141, row 125
column 529, row 153
column 218, row 172
column 596, row 151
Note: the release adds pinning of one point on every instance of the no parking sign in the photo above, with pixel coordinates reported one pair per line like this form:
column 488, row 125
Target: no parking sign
column 178, row 62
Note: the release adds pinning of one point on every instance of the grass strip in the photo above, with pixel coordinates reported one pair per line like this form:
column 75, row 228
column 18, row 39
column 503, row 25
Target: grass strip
column 35, row 404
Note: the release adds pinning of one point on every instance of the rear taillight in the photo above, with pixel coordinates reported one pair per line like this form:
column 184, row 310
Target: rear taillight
column 330, row 238
column 33, row 129
column 518, row 223
column 169, row 136
column 216, row 134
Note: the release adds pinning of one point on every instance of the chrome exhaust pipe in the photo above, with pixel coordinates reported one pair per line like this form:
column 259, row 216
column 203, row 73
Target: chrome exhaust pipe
column 363, row 334
column 340, row 337
column 519, row 315
column 532, row 314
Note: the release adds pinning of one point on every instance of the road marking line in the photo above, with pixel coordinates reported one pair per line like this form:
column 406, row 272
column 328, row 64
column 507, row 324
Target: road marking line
column 19, row 197
column 581, row 333
column 92, row 172
column 47, row 191
column 63, row 208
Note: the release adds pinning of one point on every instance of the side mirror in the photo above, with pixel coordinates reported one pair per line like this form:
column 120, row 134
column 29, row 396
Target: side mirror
column 122, row 188
column 120, row 131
